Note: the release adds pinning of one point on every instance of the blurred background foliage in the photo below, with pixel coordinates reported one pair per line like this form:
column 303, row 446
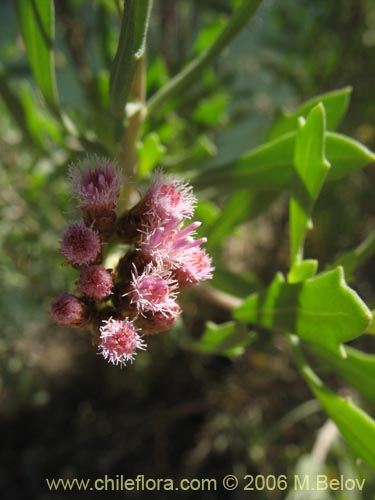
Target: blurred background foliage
column 174, row 413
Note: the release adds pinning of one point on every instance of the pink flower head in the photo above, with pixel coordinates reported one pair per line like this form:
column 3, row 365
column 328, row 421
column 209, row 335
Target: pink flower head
column 152, row 290
column 196, row 266
column 96, row 282
column 80, row 244
column 96, row 183
column 170, row 199
column 119, row 341
column 167, row 245
column 66, row 309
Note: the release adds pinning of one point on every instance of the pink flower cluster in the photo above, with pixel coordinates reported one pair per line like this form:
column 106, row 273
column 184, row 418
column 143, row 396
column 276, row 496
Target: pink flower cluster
column 163, row 256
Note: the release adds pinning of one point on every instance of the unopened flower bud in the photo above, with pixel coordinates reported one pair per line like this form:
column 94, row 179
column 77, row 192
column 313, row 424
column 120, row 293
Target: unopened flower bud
column 68, row 310
column 80, row 244
column 96, row 282
column 96, row 183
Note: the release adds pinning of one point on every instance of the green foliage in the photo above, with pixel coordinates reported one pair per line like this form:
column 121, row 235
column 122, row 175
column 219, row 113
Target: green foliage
column 228, row 339
column 356, row 426
column 311, row 168
column 130, row 50
column 322, row 310
column 355, row 367
column 335, row 103
column 270, row 166
column 37, row 27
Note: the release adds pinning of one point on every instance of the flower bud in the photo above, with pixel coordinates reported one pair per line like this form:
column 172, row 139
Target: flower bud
column 96, row 183
column 95, row 282
column 68, row 310
column 80, row 244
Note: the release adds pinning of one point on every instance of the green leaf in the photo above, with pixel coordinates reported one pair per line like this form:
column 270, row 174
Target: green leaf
column 311, row 168
column 356, row 368
column 322, row 310
column 150, row 151
column 17, row 111
column 345, row 155
column 130, row 50
column 357, row 427
column 270, row 167
column 303, row 271
column 371, row 328
column 351, row 260
column 227, row 339
column 36, row 20
column 335, row 103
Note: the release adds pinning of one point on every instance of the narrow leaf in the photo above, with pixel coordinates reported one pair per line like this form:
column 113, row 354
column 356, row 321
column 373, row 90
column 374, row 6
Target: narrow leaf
column 36, row 20
column 356, row 368
column 357, row 427
column 270, row 166
column 228, row 339
column 335, row 103
column 322, row 310
column 18, row 112
column 130, row 50
column 311, row 168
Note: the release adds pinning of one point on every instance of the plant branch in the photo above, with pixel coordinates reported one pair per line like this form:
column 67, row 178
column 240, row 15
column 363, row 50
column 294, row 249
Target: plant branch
column 218, row 298
column 128, row 155
column 305, row 369
column 187, row 76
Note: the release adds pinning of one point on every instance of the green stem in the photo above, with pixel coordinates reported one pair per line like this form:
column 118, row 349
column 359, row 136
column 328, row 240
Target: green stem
column 128, row 155
column 187, row 76
column 305, row 369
